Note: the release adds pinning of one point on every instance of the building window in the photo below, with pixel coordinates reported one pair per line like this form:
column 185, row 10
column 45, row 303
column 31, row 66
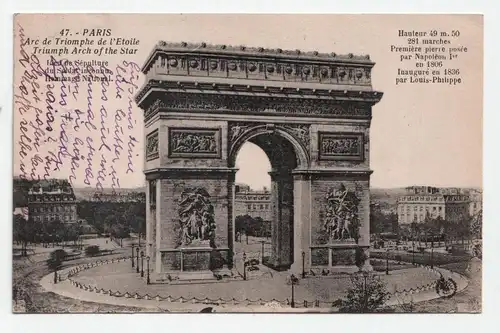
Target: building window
column 267, row 206
column 249, row 207
column 261, row 207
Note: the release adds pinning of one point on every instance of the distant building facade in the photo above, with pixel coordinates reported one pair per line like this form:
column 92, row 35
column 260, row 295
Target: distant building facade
column 119, row 197
column 476, row 202
column 252, row 203
column 452, row 204
column 52, row 200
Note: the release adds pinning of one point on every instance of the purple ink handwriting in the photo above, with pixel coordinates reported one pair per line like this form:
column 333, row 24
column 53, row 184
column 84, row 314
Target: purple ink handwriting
column 75, row 118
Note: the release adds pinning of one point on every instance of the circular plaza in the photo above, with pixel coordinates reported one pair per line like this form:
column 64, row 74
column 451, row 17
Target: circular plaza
column 119, row 278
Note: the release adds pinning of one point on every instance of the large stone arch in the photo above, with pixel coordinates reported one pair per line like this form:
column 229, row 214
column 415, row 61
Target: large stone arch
column 202, row 102
column 287, row 152
column 254, row 130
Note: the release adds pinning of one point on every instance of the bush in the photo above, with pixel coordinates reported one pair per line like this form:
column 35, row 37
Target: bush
column 92, row 250
column 367, row 294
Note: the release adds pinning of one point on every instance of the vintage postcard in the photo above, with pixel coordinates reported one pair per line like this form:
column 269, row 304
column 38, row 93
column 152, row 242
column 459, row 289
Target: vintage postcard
column 247, row 163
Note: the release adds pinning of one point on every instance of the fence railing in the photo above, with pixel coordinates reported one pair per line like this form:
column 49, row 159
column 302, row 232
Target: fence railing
column 219, row 301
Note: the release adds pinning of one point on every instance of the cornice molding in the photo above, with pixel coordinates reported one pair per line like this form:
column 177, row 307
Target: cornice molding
column 252, row 52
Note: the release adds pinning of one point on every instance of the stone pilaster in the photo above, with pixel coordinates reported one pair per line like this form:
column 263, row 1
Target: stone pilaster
column 302, row 223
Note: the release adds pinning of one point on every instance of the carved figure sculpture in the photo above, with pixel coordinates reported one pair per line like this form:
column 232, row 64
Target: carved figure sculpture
column 196, row 215
column 341, row 221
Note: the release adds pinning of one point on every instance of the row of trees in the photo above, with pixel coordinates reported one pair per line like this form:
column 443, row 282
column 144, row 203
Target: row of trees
column 28, row 232
column 427, row 230
column 118, row 219
column 382, row 223
column 252, row 226
column 467, row 228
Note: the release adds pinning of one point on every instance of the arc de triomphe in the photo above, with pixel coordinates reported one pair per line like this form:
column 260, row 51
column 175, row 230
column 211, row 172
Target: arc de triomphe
column 310, row 113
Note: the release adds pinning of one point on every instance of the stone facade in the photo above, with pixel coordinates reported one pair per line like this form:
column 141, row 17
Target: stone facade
column 52, row 201
column 253, row 203
column 202, row 103
column 449, row 204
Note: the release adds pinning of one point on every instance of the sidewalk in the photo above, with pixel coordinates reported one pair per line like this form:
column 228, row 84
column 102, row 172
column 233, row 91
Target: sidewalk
column 66, row 289
column 431, row 294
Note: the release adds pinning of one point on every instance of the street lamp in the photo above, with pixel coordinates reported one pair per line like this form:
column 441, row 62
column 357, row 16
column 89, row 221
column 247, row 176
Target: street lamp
column 137, row 266
column 365, row 298
column 262, row 256
column 142, row 264
column 432, row 254
column 293, row 280
column 148, row 281
column 303, row 264
column 132, row 257
column 244, row 266
column 413, row 251
column 387, row 262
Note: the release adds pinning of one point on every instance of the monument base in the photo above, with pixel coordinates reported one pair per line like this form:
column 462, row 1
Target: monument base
column 194, row 262
column 337, row 257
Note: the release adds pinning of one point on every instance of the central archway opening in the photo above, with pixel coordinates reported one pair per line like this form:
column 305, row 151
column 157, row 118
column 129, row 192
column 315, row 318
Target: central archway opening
column 264, row 196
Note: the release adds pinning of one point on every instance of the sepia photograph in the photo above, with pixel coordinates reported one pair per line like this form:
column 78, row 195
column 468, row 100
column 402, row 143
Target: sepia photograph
column 247, row 163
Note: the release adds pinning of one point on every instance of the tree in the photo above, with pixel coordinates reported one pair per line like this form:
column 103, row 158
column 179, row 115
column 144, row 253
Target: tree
column 376, row 220
column 367, row 294
column 476, row 226
column 55, row 261
column 243, row 223
column 24, row 232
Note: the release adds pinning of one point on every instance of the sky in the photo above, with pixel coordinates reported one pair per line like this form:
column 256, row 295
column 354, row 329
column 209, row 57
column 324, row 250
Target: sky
column 251, row 172
column 420, row 134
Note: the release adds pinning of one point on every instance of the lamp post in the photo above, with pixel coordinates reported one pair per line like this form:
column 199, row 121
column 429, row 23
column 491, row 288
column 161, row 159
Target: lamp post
column 413, row 251
column 365, row 298
column 387, row 262
column 132, row 257
column 303, row 264
column 293, row 280
column 432, row 254
column 244, row 266
column 137, row 266
column 148, row 281
column 262, row 252
column 142, row 263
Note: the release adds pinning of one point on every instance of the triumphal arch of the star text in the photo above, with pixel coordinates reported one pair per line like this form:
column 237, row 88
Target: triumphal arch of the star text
column 309, row 112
